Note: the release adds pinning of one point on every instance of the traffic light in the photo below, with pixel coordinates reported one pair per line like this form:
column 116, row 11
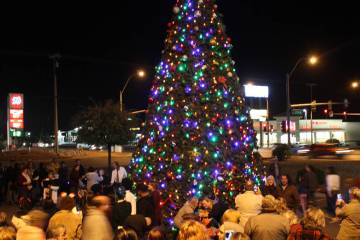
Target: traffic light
column 326, row 111
column 283, row 126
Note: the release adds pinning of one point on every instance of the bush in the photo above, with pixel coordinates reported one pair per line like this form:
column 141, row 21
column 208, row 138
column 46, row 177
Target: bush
column 281, row 152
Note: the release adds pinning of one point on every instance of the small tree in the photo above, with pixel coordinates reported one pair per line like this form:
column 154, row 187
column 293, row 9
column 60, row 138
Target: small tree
column 103, row 125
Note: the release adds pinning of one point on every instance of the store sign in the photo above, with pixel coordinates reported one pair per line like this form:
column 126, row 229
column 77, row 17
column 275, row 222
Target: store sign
column 15, row 112
column 258, row 114
column 322, row 124
column 256, row 91
column 16, row 101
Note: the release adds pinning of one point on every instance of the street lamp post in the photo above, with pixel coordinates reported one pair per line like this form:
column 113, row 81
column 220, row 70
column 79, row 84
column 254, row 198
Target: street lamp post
column 312, row 60
column 140, row 74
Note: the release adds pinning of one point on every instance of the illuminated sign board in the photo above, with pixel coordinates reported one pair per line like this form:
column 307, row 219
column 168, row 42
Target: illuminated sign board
column 16, row 114
column 16, row 101
column 258, row 114
column 256, row 91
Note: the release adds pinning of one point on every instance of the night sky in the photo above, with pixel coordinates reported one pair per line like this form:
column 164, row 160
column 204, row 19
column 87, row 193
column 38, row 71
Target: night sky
column 102, row 45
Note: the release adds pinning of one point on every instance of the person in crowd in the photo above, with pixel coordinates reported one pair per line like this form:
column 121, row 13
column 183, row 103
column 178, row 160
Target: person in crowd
column 311, row 184
column 218, row 209
column 63, row 177
column 289, row 192
column 156, row 197
column 12, row 174
column 2, row 183
column 205, row 207
column 57, row 232
column 53, row 166
column 231, row 221
column 34, row 230
column 145, row 204
column 248, row 203
column 125, row 233
column 312, row 226
column 25, row 185
column 92, row 178
column 30, row 166
column 76, row 175
column 121, row 208
column 96, row 224
column 40, row 173
column 7, row 233
column 71, row 221
column 281, row 206
column 188, row 208
column 192, row 230
column 156, row 233
column 270, row 187
column 293, row 219
column 118, row 174
column 129, row 196
column 269, row 224
column 332, row 189
column 350, row 216
column 139, row 223
column 3, row 219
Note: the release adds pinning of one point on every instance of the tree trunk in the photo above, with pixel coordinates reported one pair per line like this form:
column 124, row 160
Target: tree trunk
column 109, row 160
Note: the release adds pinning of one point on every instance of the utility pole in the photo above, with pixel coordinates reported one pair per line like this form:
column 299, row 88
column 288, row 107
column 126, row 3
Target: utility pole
column 55, row 59
column 288, row 108
column 311, row 85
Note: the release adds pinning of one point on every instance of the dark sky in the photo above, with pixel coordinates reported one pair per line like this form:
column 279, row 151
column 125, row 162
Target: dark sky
column 102, row 45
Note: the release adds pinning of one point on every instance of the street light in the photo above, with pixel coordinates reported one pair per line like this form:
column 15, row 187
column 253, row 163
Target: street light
column 140, row 74
column 355, row 84
column 312, row 60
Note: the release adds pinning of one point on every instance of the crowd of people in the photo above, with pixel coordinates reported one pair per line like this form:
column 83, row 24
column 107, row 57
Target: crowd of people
column 59, row 203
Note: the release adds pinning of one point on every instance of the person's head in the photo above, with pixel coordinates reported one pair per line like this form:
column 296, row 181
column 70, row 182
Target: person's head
column 314, row 218
column 291, row 217
column 127, row 183
column 270, row 180
column 249, row 185
column 3, row 219
column 355, row 193
column 38, row 218
column 7, row 233
column 91, row 169
column 308, row 168
column 285, row 180
column 66, row 203
column 231, row 215
column 281, row 205
column 269, row 203
column 194, row 202
column 77, row 162
column 120, row 192
column 57, row 232
column 191, row 216
column 142, row 189
column 62, row 164
column 152, row 186
column 206, row 203
column 115, row 165
column 156, row 234
column 24, row 170
column 126, row 233
column 101, row 203
column 192, row 230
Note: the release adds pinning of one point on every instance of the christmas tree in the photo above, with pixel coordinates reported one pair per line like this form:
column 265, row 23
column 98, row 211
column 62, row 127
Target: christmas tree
column 198, row 136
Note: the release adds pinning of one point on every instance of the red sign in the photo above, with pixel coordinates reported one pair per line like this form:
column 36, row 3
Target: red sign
column 16, row 114
column 16, row 101
column 17, row 123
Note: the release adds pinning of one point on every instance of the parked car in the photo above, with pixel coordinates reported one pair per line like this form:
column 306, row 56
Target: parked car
column 323, row 149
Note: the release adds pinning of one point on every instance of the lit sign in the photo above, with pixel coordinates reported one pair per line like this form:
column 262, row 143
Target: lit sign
column 16, row 101
column 17, row 123
column 16, row 114
column 258, row 114
column 256, row 91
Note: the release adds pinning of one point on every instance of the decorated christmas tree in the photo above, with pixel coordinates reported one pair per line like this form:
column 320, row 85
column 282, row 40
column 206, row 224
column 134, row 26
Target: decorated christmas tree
column 198, row 137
